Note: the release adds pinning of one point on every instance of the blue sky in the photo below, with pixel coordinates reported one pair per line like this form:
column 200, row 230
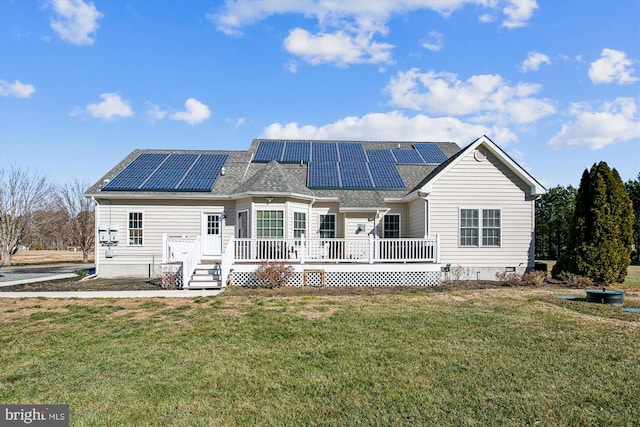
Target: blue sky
column 556, row 84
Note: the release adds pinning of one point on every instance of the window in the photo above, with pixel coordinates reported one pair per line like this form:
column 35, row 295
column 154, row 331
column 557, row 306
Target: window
column 471, row 222
column 299, row 224
column 135, row 228
column 469, row 227
column 391, row 226
column 243, row 222
column 327, row 226
column 491, row 227
column 270, row 224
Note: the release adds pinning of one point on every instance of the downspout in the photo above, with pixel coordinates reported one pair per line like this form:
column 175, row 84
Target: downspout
column 427, row 216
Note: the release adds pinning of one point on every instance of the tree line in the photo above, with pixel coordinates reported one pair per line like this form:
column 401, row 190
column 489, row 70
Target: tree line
column 37, row 214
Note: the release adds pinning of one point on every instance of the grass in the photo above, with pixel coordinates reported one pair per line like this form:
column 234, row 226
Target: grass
column 466, row 357
column 28, row 257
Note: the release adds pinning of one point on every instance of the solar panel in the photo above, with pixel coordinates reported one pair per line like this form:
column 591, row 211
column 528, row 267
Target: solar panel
column 296, row 152
column 170, row 173
column 203, row 173
column 375, row 155
column 351, row 152
column 324, row 152
column 407, row 156
column 323, row 175
column 355, row 175
column 430, row 152
column 269, row 150
column 386, row 175
column 136, row 172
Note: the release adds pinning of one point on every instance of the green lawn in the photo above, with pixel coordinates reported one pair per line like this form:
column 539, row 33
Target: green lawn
column 499, row 357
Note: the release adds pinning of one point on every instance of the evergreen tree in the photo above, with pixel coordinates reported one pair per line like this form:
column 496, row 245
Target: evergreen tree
column 601, row 235
column 554, row 211
column 633, row 188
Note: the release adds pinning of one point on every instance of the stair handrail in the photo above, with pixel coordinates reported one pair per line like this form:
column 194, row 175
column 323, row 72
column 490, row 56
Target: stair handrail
column 190, row 262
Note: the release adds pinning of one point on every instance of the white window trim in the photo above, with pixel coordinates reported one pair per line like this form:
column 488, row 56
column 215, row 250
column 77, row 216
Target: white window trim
column 479, row 209
column 248, row 230
column 335, row 224
column 144, row 215
column 399, row 225
column 306, row 223
column 284, row 224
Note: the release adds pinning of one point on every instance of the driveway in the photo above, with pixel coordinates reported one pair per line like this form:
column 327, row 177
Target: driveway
column 26, row 274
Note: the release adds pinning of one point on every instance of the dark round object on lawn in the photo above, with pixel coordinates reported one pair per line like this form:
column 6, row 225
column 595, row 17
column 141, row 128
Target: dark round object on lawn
column 603, row 296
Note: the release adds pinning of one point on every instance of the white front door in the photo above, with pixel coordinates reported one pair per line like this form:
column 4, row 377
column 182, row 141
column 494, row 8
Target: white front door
column 211, row 234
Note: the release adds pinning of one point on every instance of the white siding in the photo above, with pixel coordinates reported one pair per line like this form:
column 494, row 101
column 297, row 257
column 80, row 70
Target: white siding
column 323, row 209
column 486, row 184
column 351, row 221
column 416, row 219
column 175, row 218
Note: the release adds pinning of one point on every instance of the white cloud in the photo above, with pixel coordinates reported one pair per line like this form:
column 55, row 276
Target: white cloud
column 16, row 89
column 348, row 29
column 487, row 18
column 236, row 122
column 112, row 106
column 434, row 42
column 534, row 60
column 518, row 13
column 613, row 122
column 339, row 47
column 75, row 21
column 482, row 98
column 196, row 112
column 392, row 126
column 155, row 112
column 612, row 67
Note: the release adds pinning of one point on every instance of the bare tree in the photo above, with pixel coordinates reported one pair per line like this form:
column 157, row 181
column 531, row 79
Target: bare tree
column 79, row 214
column 21, row 194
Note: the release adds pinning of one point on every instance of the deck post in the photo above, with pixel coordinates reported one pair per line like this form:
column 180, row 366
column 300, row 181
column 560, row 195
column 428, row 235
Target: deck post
column 437, row 248
column 371, row 249
column 302, row 248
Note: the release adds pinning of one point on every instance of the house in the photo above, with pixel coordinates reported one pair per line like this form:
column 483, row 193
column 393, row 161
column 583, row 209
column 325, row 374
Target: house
column 358, row 213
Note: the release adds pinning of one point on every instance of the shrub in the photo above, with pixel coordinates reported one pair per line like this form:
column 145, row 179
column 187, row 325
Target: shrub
column 530, row 278
column 82, row 272
column 575, row 280
column 272, row 274
column 508, row 279
column 534, row 278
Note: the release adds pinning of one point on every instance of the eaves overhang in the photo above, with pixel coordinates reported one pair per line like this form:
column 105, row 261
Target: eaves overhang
column 536, row 188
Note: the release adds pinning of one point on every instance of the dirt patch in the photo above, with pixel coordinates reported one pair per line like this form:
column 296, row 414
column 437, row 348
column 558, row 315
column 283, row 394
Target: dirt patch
column 77, row 284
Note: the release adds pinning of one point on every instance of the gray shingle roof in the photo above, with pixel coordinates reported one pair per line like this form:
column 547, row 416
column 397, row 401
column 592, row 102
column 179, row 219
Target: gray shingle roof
column 244, row 177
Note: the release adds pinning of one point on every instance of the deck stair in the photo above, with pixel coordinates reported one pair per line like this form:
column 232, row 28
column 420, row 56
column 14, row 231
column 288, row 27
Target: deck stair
column 206, row 276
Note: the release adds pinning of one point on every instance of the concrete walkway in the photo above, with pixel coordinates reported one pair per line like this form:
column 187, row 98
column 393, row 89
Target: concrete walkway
column 187, row 293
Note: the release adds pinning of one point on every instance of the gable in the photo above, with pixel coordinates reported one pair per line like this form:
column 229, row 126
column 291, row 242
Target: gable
column 479, row 151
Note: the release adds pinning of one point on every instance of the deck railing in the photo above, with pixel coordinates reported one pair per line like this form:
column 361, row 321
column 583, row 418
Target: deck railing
column 371, row 250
